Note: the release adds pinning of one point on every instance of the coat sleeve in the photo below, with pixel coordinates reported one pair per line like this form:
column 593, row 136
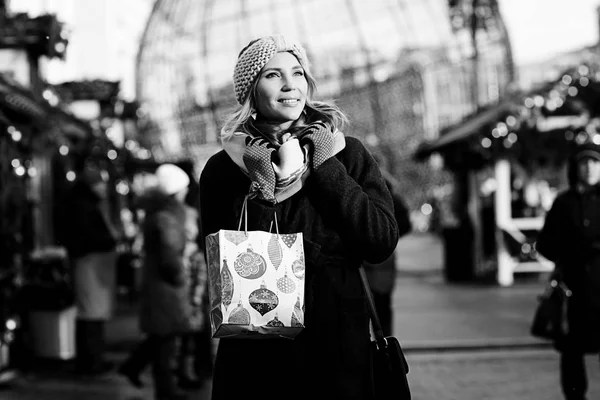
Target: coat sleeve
column 350, row 194
column 215, row 210
column 401, row 212
column 171, row 266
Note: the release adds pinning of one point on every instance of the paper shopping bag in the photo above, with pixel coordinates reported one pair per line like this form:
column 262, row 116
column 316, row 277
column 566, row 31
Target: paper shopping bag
column 256, row 284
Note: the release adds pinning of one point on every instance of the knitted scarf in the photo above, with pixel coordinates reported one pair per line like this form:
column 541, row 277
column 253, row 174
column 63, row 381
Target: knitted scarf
column 252, row 151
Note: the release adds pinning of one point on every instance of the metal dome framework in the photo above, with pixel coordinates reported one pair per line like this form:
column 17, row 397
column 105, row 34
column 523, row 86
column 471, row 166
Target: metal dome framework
column 401, row 69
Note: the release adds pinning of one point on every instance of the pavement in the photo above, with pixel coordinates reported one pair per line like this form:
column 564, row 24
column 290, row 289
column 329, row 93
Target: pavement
column 462, row 341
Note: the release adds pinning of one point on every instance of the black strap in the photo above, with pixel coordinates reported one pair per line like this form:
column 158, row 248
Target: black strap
column 378, row 331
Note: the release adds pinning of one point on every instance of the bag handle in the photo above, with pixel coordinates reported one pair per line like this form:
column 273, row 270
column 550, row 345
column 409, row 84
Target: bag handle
column 276, row 226
column 244, row 217
column 379, row 336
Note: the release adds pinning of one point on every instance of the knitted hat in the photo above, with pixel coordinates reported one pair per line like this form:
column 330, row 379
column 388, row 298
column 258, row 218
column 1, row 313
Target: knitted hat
column 255, row 56
column 588, row 150
column 171, row 179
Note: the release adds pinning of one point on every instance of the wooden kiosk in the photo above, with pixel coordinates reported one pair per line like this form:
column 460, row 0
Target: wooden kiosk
column 509, row 162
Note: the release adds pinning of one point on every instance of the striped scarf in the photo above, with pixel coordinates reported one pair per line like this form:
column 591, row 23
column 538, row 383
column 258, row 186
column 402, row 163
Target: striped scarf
column 252, row 152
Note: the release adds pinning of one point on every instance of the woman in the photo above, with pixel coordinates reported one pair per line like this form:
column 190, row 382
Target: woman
column 91, row 238
column 289, row 152
column 164, row 306
column 571, row 239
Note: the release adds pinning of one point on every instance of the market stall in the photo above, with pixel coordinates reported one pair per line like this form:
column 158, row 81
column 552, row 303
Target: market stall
column 508, row 161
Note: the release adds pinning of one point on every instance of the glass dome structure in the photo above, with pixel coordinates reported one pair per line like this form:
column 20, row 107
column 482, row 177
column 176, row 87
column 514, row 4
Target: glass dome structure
column 401, row 69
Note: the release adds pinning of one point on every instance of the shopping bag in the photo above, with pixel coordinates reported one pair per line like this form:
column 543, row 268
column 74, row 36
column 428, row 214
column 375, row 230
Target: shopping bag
column 550, row 319
column 256, row 282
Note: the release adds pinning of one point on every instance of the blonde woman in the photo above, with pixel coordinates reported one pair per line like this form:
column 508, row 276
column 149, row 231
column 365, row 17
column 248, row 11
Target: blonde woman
column 288, row 152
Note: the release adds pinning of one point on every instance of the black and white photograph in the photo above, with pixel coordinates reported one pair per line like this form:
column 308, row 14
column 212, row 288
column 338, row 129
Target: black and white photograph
column 299, row 199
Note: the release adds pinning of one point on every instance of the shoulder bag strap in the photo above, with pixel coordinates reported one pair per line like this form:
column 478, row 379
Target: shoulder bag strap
column 379, row 336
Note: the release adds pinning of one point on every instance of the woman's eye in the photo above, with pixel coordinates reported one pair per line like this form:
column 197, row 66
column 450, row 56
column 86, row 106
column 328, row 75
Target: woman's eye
column 271, row 75
column 299, row 73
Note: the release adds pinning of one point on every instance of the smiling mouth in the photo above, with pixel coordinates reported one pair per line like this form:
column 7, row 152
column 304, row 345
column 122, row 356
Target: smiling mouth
column 289, row 101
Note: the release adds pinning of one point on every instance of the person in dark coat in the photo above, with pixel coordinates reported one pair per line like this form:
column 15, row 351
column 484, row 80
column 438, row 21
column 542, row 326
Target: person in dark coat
column 91, row 238
column 164, row 306
column 570, row 238
column 288, row 153
column 382, row 277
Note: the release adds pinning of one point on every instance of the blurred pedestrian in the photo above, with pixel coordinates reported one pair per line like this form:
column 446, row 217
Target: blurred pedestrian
column 189, row 372
column 288, row 149
column 382, row 277
column 164, row 309
column 91, row 240
column 571, row 239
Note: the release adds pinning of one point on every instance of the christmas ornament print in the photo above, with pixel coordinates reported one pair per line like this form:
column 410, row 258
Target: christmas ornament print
column 227, row 285
column 285, row 284
column 212, row 248
column 275, row 322
column 297, row 314
column 289, row 239
column 274, row 251
column 239, row 315
column 216, row 316
column 214, row 280
column 298, row 268
column 250, row 265
column 263, row 300
column 235, row 237
column 295, row 323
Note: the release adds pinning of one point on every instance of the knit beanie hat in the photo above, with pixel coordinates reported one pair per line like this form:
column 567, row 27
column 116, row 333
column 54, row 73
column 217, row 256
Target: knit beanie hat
column 171, row 179
column 256, row 55
column 587, row 150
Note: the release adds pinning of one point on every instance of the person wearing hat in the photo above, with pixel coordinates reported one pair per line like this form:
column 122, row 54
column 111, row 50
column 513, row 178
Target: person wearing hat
column 570, row 238
column 91, row 237
column 287, row 152
column 164, row 308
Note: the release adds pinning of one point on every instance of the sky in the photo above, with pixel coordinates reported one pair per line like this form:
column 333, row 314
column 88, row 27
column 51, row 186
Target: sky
column 539, row 29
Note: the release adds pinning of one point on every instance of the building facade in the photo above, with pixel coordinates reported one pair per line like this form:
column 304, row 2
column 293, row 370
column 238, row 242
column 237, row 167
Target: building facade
column 401, row 69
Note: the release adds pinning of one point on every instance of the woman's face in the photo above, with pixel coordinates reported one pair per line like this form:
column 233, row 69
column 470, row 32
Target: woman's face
column 589, row 171
column 281, row 89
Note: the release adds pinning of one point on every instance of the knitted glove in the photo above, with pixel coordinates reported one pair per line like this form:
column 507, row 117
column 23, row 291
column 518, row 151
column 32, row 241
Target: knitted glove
column 319, row 139
column 257, row 158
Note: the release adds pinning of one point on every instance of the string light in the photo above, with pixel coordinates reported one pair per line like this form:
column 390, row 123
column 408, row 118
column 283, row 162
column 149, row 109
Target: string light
column 534, row 107
column 112, row 154
column 16, row 135
column 20, row 170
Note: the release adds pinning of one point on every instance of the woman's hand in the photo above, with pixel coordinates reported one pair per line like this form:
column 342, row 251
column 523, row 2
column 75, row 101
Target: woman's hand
column 291, row 158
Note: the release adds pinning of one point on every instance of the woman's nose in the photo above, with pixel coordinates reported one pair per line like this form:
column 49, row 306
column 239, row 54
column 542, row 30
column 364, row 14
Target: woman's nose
column 288, row 83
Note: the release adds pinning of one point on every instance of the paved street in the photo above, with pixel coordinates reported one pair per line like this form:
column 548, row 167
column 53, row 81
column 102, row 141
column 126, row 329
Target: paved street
column 462, row 341
column 519, row 374
column 491, row 375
